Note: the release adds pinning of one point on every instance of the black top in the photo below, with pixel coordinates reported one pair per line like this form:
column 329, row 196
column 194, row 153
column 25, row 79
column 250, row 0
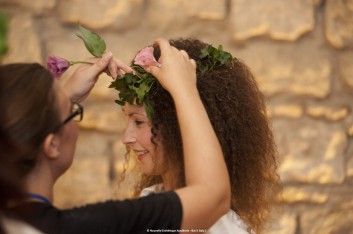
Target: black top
column 161, row 211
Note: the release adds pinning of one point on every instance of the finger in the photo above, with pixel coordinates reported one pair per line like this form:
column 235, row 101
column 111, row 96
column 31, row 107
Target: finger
column 153, row 70
column 113, row 69
column 183, row 52
column 193, row 63
column 123, row 66
column 163, row 45
column 174, row 49
column 102, row 63
column 119, row 73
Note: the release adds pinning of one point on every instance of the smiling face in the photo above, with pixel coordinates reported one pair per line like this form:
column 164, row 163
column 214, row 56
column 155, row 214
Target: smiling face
column 138, row 140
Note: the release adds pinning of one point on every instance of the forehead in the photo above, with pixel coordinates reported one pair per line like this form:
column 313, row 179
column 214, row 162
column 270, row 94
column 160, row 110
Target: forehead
column 134, row 109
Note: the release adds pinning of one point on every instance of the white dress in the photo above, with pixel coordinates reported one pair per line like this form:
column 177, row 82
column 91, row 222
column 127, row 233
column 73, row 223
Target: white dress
column 229, row 223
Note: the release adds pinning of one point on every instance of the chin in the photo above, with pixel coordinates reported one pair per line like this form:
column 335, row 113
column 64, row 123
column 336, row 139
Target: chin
column 150, row 172
column 147, row 172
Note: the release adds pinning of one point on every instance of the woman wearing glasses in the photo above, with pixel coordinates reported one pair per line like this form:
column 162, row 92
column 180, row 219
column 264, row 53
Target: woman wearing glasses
column 39, row 119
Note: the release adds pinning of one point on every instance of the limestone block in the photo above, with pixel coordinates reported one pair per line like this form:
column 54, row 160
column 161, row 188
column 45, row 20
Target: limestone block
column 67, row 45
column 212, row 10
column 88, row 178
column 184, row 18
column 350, row 131
column 285, row 223
column 288, row 111
column 341, row 196
column 104, row 116
column 282, row 20
column 311, row 151
column 316, row 2
column 163, row 14
column 23, row 40
column 350, row 167
column 328, row 113
column 301, row 69
column 121, row 14
column 295, row 194
column 325, row 222
column 85, row 182
column 311, row 79
column 38, row 6
column 346, row 68
column 339, row 23
column 92, row 144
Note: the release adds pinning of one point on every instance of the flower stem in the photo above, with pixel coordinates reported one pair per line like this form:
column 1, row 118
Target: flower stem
column 76, row 62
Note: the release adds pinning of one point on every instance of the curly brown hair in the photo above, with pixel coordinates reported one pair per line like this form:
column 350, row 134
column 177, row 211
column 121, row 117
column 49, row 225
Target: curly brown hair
column 237, row 112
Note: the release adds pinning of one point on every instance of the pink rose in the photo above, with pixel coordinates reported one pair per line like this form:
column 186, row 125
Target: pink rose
column 57, row 66
column 145, row 58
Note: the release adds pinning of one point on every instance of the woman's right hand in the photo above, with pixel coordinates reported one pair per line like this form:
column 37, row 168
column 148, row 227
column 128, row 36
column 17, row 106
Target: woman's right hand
column 177, row 72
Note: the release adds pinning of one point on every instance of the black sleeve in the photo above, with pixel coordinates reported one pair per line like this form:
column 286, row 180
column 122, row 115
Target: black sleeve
column 161, row 211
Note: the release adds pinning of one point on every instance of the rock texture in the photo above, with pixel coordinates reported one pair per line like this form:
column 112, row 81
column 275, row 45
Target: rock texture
column 301, row 53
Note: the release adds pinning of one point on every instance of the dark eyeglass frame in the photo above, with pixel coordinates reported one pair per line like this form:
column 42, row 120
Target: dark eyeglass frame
column 78, row 111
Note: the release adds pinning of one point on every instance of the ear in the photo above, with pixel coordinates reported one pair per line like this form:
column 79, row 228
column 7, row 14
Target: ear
column 52, row 146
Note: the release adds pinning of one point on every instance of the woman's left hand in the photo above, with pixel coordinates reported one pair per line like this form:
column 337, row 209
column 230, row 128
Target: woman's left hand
column 81, row 82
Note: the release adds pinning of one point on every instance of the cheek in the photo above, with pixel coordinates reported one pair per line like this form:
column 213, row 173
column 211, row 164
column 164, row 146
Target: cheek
column 72, row 132
column 145, row 137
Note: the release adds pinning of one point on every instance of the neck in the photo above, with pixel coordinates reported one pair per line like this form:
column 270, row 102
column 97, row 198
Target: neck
column 41, row 182
column 170, row 180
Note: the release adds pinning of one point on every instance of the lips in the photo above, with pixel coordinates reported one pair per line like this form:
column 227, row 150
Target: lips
column 141, row 154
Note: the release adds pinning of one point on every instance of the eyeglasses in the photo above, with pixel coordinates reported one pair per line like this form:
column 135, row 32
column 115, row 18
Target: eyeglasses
column 76, row 113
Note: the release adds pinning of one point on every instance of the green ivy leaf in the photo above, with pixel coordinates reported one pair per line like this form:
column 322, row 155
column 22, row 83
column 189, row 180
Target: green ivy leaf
column 120, row 102
column 117, row 84
column 204, row 53
column 212, row 57
column 93, row 42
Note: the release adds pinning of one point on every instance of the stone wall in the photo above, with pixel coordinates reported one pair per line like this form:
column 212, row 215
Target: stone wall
column 301, row 52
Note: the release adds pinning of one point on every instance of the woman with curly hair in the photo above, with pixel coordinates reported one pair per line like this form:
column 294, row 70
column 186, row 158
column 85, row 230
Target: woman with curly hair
column 237, row 112
column 39, row 117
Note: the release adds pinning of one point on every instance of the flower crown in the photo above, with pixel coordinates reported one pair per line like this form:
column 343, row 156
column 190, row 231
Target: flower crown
column 134, row 88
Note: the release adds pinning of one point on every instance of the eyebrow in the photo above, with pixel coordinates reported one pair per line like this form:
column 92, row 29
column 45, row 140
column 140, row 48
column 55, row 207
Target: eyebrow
column 136, row 113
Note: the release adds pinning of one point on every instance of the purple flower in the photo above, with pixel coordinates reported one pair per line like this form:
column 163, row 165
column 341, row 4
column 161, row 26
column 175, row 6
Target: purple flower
column 57, row 66
column 145, row 58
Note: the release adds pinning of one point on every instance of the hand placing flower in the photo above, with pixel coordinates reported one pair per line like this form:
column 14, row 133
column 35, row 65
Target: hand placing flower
column 94, row 44
column 145, row 58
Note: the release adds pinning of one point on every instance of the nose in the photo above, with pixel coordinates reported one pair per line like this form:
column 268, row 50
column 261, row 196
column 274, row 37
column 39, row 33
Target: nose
column 129, row 136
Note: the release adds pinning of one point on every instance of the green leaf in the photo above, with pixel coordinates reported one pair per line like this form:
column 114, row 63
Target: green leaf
column 3, row 31
column 93, row 42
column 119, row 102
column 118, row 83
column 204, row 52
column 212, row 57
